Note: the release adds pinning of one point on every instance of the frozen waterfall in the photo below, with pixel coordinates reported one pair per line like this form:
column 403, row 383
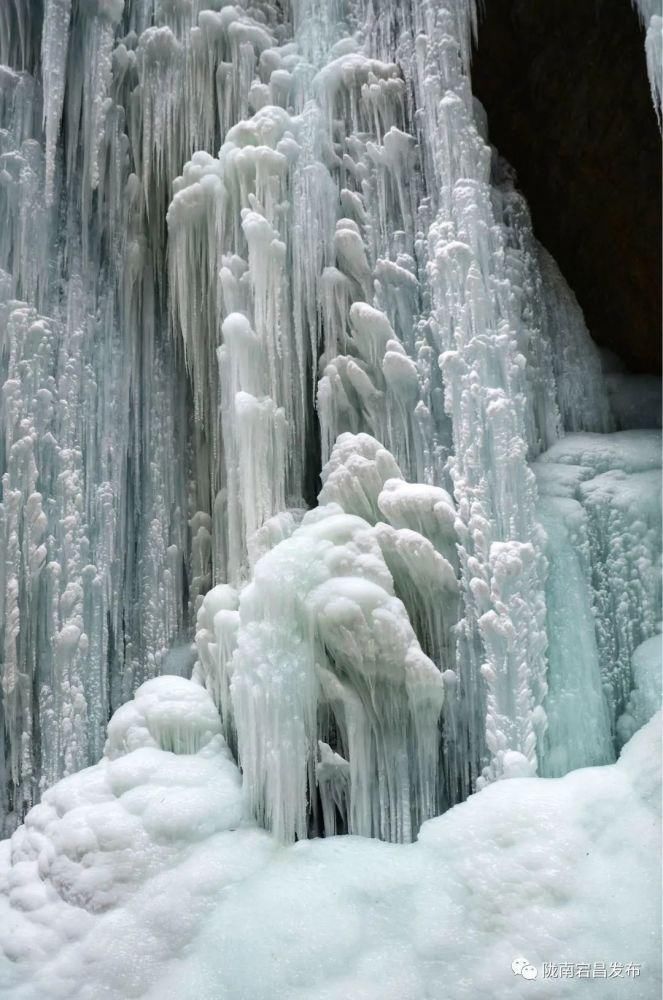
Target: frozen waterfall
column 283, row 366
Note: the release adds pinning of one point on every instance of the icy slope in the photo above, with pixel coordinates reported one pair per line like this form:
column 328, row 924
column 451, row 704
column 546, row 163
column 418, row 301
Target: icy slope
column 138, row 878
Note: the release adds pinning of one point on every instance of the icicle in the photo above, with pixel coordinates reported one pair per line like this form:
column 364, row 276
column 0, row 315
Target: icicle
column 320, row 624
column 55, row 42
column 652, row 21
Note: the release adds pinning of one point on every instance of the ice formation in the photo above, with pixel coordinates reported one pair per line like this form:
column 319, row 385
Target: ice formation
column 142, row 877
column 651, row 15
column 246, row 245
column 284, row 366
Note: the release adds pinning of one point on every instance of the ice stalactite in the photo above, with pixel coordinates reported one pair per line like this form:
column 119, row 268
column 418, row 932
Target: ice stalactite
column 95, row 502
column 318, row 658
column 477, row 320
column 57, row 17
column 651, row 16
column 250, row 338
column 321, row 661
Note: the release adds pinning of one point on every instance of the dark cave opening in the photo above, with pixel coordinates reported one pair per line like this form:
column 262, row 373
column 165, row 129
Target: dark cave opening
column 565, row 88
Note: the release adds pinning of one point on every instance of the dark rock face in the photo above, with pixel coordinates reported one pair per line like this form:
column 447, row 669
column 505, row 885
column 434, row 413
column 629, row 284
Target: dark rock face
column 565, row 86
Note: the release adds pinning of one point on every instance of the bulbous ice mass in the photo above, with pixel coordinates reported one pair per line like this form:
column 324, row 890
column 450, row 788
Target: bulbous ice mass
column 326, row 652
column 169, row 713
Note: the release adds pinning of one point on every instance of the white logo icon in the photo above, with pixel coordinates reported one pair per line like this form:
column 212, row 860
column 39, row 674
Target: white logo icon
column 521, row 967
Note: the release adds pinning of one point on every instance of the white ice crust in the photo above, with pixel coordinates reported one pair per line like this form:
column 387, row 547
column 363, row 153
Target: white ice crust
column 139, row 877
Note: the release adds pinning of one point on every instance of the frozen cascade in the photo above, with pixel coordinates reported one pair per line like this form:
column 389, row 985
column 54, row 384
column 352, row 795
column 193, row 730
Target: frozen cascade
column 604, row 490
column 246, row 246
column 319, row 650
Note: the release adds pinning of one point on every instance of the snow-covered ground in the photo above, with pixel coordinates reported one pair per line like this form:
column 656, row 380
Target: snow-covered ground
column 142, row 877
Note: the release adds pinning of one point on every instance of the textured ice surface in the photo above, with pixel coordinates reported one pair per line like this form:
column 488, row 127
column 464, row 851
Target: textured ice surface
column 602, row 494
column 646, row 696
column 578, row 732
column 630, row 451
column 218, row 218
column 139, row 878
column 110, row 851
column 325, row 650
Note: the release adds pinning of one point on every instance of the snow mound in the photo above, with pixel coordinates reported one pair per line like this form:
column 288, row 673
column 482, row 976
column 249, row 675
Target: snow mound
column 168, row 713
column 110, row 854
column 135, row 878
column 546, row 869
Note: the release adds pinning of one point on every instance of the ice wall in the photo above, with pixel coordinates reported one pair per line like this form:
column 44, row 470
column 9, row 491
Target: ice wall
column 602, row 492
column 97, row 475
column 245, row 246
column 448, row 335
